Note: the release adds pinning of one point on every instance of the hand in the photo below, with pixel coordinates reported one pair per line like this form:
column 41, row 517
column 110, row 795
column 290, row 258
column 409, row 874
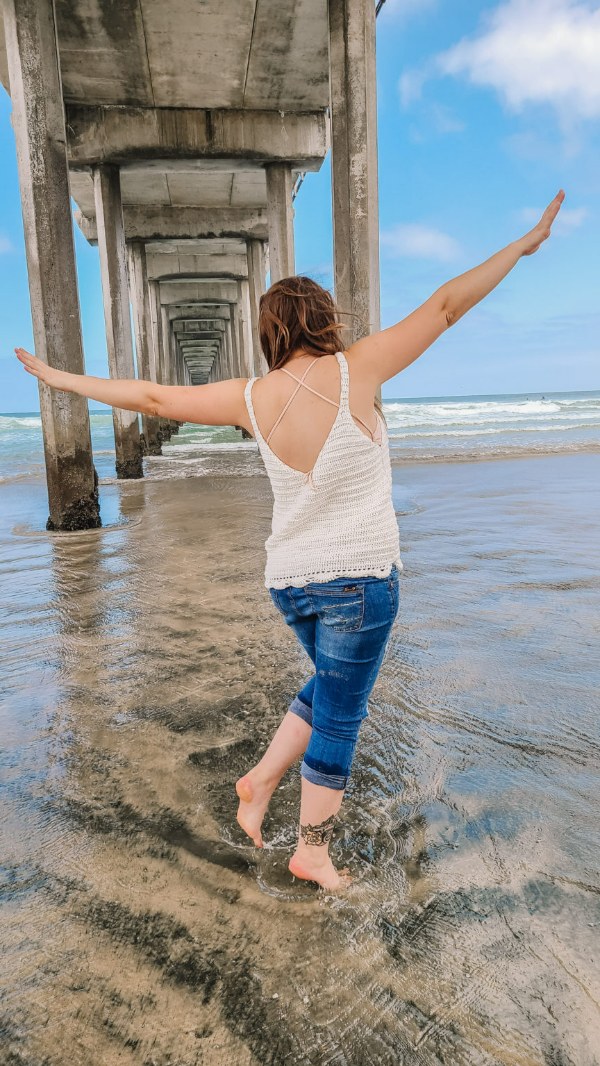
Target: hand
column 56, row 379
column 532, row 240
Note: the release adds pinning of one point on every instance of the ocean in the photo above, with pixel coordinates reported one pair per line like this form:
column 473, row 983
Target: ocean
column 144, row 668
column 440, row 429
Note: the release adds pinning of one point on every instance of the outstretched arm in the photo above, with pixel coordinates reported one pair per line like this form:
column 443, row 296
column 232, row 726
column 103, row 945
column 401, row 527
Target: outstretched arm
column 221, row 403
column 384, row 354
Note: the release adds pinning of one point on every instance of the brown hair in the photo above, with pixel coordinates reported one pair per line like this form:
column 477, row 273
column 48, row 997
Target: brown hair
column 297, row 312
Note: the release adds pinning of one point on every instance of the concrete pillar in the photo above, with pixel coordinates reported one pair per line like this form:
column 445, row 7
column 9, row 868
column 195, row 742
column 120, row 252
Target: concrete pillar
column 245, row 364
column 187, row 377
column 280, row 218
column 174, row 358
column 154, row 303
column 256, row 287
column 39, row 126
column 113, row 271
column 354, row 164
column 166, row 346
column 140, row 301
column 180, row 368
column 230, row 357
column 157, row 343
column 167, row 353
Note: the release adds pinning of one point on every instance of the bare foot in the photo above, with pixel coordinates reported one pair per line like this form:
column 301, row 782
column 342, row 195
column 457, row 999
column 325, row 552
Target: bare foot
column 254, row 794
column 322, row 871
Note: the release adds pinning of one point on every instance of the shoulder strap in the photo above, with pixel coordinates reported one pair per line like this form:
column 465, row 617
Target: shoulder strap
column 345, row 379
column 250, row 407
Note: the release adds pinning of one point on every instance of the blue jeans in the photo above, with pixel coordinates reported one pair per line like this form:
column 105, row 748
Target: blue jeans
column 344, row 627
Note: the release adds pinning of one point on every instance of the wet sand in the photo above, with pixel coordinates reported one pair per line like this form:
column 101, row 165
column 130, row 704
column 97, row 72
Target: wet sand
column 145, row 669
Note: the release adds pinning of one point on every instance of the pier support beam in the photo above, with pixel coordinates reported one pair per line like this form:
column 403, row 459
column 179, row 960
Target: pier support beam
column 245, row 364
column 140, row 301
column 159, row 352
column 256, row 287
column 113, row 270
column 39, row 126
column 280, row 219
column 354, row 164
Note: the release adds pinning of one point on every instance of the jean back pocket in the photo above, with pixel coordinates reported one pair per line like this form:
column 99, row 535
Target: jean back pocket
column 341, row 609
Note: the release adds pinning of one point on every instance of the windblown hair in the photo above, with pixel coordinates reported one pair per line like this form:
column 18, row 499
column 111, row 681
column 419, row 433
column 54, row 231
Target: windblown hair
column 297, row 312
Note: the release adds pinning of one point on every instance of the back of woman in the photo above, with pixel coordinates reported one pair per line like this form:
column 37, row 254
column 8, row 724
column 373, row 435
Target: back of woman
column 330, row 473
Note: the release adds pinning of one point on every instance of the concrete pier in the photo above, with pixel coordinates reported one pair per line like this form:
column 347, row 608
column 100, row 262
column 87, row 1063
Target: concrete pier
column 115, row 292
column 184, row 147
column 144, row 346
column 354, row 164
column 256, row 283
column 165, row 424
column 281, row 220
column 39, row 126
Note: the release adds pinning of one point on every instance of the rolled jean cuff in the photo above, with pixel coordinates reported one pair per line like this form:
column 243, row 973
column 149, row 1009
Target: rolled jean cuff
column 317, row 778
column 297, row 706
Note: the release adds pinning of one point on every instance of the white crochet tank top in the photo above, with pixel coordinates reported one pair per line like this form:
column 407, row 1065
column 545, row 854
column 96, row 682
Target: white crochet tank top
column 338, row 519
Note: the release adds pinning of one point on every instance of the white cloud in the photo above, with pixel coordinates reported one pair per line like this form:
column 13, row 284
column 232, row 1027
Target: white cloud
column 415, row 241
column 535, row 51
column 567, row 219
column 444, row 120
column 529, row 52
column 5, row 245
column 410, row 86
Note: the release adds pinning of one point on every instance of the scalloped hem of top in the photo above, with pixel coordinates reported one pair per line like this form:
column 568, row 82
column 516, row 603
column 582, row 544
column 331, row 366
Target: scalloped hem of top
column 299, row 581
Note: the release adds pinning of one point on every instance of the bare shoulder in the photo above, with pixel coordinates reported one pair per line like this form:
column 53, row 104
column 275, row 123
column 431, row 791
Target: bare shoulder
column 381, row 355
column 361, row 361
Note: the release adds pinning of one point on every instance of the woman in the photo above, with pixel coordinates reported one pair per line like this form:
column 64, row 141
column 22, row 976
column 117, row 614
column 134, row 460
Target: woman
column 333, row 557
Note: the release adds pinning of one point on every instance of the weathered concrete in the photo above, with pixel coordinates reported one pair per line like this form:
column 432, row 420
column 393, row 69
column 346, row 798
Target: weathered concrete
column 244, row 366
column 140, row 303
column 270, row 56
column 165, row 424
column 119, row 344
column 166, row 345
column 127, row 135
column 256, row 282
column 354, row 163
column 197, row 292
column 38, row 122
column 197, row 309
column 177, row 223
column 187, row 325
column 154, row 304
column 162, row 267
column 281, row 220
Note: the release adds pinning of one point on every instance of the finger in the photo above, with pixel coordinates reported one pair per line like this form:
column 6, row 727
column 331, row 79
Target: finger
column 29, row 360
column 23, row 355
column 555, row 205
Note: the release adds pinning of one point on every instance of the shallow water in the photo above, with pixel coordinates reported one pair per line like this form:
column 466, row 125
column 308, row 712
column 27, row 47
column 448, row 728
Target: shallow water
column 144, row 669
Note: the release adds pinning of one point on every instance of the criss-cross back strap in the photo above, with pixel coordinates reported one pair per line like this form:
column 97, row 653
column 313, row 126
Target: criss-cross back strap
column 333, row 402
column 300, row 383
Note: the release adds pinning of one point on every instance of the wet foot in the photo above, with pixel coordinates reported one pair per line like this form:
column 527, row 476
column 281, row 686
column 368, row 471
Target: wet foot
column 254, row 794
column 322, row 871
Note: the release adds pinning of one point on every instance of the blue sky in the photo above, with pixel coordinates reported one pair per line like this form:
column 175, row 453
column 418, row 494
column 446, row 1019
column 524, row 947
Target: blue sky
column 485, row 110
